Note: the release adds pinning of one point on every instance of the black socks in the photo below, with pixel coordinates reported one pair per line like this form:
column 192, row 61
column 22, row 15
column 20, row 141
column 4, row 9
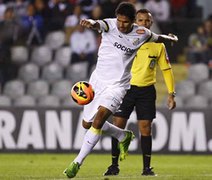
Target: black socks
column 146, row 147
column 115, row 151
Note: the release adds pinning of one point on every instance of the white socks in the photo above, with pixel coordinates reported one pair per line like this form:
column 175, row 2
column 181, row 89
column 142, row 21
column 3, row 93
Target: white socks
column 113, row 130
column 93, row 135
column 91, row 138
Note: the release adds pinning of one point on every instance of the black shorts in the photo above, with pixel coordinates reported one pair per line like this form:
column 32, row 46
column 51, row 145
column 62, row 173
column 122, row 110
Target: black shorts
column 143, row 99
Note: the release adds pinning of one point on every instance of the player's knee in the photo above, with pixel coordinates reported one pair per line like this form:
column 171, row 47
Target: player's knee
column 146, row 131
column 145, row 128
column 86, row 125
column 101, row 116
column 119, row 122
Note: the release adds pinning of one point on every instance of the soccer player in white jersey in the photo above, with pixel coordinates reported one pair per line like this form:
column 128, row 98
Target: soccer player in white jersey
column 121, row 38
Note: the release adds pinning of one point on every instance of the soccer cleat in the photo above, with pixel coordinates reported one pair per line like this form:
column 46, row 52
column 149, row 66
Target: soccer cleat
column 112, row 170
column 148, row 172
column 72, row 169
column 124, row 145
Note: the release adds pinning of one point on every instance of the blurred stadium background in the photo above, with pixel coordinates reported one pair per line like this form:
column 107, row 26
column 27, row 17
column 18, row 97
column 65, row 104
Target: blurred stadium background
column 39, row 64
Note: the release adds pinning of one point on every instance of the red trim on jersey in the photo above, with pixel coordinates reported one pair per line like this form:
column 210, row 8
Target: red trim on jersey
column 140, row 31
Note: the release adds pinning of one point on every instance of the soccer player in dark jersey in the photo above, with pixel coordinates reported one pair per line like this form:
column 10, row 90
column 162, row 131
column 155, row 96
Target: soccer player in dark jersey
column 142, row 95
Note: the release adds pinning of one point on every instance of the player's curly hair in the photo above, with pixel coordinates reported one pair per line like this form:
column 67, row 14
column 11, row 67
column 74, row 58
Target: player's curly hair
column 126, row 9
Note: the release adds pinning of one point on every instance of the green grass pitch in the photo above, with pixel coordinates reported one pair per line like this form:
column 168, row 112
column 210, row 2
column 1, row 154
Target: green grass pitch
column 51, row 166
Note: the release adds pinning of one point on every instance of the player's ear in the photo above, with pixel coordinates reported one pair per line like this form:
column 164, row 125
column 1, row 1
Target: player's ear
column 134, row 20
column 151, row 23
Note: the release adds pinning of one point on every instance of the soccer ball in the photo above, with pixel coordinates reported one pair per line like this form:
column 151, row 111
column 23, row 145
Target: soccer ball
column 82, row 93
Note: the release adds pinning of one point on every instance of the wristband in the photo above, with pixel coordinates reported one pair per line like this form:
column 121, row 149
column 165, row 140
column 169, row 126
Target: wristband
column 173, row 94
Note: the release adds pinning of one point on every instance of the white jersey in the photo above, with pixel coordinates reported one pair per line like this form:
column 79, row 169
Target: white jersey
column 111, row 78
column 117, row 51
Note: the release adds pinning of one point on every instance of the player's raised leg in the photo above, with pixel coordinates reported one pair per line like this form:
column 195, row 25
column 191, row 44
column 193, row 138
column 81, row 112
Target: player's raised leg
column 93, row 135
column 124, row 137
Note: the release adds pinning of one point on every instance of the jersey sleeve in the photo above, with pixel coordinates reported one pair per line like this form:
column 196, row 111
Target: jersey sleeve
column 104, row 25
column 169, row 80
column 153, row 37
column 148, row 36
column 165, row 66
column 163, row 60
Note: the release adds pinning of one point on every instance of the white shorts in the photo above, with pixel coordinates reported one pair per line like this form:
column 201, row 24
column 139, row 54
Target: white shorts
column 108, row 96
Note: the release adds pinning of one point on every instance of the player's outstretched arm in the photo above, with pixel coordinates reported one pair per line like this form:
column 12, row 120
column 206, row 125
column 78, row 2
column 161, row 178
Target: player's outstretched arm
column 90, row 24
column 169, row 37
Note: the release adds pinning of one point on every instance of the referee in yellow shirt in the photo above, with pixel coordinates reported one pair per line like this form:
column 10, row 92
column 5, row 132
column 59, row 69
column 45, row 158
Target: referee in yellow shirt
column 142, row 95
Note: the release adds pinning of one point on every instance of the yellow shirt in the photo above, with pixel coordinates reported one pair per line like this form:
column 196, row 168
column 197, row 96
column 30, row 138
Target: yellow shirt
column 144, row 64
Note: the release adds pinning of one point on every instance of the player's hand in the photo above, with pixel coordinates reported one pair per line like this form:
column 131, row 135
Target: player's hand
column 173, row 37
column 171, row 102
column 88, row 23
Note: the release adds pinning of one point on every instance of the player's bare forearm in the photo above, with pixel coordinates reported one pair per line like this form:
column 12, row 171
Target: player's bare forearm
column 90, row 24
